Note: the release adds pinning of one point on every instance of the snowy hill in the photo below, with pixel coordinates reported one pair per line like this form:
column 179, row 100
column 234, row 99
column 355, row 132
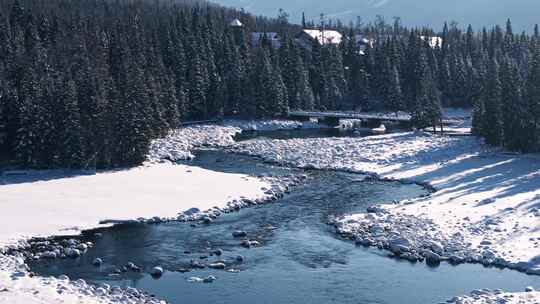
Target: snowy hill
column 413, row 12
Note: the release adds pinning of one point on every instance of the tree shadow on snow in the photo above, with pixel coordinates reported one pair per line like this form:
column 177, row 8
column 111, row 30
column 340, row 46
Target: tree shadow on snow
column 31, row 176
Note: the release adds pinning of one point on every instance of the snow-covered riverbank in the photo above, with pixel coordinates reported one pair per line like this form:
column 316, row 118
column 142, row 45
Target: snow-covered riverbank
column 46, row 203
column 486, row 209
column 50, row 205
column 179, row 144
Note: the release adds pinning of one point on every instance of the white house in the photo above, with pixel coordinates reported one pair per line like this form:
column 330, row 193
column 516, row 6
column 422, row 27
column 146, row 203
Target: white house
column 324, row 37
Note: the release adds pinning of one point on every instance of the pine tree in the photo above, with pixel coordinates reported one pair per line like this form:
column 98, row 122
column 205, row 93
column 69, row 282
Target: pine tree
column 533, row 101
column 426, row 110
column 197, row 96
column 492, row 96
column 514, row 108
column 72, row 142
column 394, row 96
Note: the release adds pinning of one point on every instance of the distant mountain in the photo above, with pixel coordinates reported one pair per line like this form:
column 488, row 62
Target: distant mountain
column 479, row 13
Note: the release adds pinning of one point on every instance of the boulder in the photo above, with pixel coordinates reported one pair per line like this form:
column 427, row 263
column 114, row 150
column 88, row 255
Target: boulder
column 209, row 279
column 49, row 255
column 239, row 234
column 72, row 253
column 157, row 271
column 131, row 266
column 432, row 258
column 97, row 262
column 218, row 265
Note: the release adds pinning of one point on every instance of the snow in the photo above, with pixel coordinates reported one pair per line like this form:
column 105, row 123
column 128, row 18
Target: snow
column 179, row 144
column 497, row 296
column 325, row 37
column 272, row 125
column 72, row 204
column 433, row 41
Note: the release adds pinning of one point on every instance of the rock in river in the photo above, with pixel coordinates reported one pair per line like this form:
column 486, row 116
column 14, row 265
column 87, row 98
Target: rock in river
column 239, row 234
column 209, row 279
column 72, row 253
column 97, row 262
column 217, row 265
column 432, row 258
column 157, row 271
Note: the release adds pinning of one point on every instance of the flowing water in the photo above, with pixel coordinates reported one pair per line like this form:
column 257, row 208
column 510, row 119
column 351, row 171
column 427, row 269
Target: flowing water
column 299, row 260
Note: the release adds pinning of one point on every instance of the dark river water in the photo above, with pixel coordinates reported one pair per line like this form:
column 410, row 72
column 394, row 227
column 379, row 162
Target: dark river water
column 299, row 260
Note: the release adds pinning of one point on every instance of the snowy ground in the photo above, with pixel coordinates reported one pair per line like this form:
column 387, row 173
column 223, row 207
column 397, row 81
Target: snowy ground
column 68, row 205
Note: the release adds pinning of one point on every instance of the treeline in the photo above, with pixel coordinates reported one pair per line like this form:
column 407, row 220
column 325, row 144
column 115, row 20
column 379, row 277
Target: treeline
column 89, row 83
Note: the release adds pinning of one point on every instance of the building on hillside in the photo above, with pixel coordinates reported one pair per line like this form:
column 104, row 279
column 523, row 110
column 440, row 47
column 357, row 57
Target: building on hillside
column 236, row 23
column 433, row 41
column 363, row 43
column 273, row 39
column 238, row 31
column 307, row 37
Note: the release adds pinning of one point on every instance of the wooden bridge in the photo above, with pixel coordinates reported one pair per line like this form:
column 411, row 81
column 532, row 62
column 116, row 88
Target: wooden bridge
column 369, row 120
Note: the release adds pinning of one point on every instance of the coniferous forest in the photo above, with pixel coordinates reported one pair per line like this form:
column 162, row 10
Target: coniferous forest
column 89, row 83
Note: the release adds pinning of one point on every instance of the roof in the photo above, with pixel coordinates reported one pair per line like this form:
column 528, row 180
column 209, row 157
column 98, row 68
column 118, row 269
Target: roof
column 236, row 23
column 324, row 37
column 272, row 37
column 259, row 35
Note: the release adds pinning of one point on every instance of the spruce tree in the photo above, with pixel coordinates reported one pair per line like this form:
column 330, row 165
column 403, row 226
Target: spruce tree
column 514, row 108
column 492, row 96
column 533, row 101
column 72, row 142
